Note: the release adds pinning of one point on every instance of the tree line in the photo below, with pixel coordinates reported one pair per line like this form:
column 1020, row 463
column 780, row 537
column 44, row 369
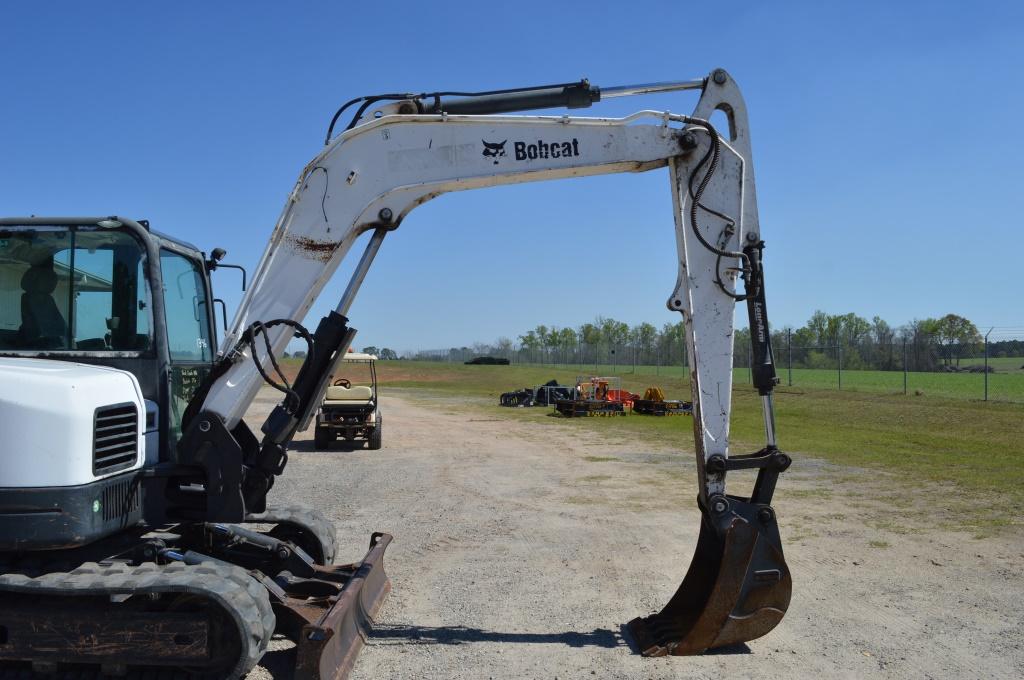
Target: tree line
column 383, row 353
column 605, row 340
column 826, row 340
column 854, row 342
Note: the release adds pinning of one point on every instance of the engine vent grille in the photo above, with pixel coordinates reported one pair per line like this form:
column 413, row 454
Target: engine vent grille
column 116, row 438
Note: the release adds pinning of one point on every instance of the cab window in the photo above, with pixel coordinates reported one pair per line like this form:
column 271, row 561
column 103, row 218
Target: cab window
column 188, row 328
column 77, row 289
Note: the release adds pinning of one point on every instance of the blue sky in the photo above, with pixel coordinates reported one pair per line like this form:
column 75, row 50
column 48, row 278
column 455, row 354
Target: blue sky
column 887, row 146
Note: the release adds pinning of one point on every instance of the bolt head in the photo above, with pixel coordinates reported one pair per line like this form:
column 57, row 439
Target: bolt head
column 752, row 237
column 385, row 214
column 719, row 76
column 688, row 141
column 716, row 464
column 204, row 426
column 765, row 515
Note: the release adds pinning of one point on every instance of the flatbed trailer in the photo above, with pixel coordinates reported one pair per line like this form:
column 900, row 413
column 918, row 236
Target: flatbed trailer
column 664, row 407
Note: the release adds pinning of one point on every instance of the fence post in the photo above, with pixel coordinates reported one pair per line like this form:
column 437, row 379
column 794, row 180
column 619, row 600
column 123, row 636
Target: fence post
column 904, row 367
column 789, row 342
column 839, row 363
column 986, row 363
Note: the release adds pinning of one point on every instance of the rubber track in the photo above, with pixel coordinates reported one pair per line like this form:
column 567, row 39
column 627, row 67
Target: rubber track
column 259, row 595
column 151, row 674
column 230, row 587
column 305, row 517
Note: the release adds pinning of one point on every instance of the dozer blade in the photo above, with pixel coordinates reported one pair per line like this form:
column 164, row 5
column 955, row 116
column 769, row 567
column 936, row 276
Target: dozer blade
column 737, row 588
column 328, row 647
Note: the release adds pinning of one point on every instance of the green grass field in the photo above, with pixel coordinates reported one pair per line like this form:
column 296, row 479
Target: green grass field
column 977, row 448
column 1006, row 384
column 1002, row 364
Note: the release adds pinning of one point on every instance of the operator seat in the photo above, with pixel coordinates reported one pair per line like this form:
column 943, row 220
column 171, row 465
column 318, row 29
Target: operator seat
column 42, row 324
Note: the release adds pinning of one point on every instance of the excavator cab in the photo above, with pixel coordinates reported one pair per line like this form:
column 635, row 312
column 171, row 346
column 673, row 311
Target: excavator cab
column 89, row 291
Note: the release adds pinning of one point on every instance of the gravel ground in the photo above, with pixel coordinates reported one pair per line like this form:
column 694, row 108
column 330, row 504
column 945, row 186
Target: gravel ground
column 521, row 548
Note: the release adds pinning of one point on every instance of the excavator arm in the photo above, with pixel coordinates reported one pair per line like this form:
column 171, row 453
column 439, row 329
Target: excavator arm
column 414, row 148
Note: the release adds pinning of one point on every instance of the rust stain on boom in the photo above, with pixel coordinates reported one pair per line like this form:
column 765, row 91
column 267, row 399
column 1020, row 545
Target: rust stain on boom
column 319, row 251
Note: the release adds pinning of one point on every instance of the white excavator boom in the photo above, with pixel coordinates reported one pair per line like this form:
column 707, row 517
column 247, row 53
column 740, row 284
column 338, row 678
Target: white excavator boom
column 410, row 150
column 374, row 174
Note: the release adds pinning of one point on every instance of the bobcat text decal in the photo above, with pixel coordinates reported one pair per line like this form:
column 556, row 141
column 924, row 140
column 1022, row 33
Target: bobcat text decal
column 541, row 149
column 532, row 151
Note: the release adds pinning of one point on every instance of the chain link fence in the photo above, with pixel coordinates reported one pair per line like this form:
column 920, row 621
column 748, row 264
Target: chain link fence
column 990, row 369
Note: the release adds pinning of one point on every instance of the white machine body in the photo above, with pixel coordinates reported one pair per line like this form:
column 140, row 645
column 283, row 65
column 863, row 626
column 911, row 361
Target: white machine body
column 48, row 414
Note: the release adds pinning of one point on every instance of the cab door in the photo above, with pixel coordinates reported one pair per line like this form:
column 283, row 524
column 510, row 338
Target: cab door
column 190, row 331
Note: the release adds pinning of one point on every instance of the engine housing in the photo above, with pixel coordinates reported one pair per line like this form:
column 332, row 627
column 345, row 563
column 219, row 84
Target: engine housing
column 73, row 444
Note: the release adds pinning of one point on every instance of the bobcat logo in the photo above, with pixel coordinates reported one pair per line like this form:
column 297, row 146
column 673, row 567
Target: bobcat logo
column 494, row 150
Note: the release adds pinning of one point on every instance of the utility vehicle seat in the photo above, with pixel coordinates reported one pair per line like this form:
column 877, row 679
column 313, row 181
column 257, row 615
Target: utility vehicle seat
column 358, row 393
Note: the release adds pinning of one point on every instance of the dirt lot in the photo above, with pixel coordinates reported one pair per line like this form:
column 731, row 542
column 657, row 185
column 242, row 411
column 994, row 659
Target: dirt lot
column 521, row 549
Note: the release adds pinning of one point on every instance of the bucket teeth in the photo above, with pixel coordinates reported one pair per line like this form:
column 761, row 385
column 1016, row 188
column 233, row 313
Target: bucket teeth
column 737, row 589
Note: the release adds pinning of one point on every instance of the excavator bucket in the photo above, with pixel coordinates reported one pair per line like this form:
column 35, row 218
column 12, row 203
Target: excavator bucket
column 737, row 588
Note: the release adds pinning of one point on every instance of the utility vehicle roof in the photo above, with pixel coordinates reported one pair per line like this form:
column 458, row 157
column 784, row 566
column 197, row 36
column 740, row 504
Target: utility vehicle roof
column 359, row 356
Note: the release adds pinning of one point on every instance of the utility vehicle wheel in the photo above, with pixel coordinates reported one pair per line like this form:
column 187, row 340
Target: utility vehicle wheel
column 375, row 436
column 321, row 438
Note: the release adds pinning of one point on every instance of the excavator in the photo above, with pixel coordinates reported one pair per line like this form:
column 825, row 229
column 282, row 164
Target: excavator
column 138, row 533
